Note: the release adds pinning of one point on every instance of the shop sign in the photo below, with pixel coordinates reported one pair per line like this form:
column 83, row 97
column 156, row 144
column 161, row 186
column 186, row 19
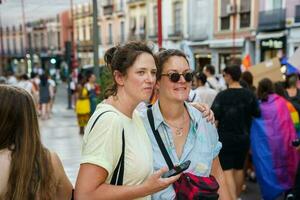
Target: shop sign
column 272, row 43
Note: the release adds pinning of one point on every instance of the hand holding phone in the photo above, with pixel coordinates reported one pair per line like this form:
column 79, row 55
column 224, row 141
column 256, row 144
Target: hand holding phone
column 177, row 169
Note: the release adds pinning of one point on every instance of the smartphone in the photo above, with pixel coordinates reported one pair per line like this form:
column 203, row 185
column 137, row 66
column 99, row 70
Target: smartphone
column 177, row 169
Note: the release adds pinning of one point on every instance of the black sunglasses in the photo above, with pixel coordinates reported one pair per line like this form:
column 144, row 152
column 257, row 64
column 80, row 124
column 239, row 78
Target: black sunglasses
column 175, row 76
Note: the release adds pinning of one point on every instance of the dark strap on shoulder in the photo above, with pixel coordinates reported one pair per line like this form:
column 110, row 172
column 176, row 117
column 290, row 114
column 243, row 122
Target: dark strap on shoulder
column 98, row 118
column 159, row 140
column 118, row 175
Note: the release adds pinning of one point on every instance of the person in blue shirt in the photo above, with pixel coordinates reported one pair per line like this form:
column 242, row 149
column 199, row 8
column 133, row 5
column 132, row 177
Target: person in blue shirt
column 185, row 133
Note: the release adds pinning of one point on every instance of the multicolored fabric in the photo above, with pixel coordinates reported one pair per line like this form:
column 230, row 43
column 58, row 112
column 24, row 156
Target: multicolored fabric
column 190, row 186
column 294, row 116
column 274, row 158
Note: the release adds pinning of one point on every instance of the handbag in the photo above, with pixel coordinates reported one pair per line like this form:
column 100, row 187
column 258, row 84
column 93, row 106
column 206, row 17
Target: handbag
column 188, row 186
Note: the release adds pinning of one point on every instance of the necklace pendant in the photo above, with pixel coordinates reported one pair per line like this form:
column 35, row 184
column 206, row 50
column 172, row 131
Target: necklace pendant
column 179, row 132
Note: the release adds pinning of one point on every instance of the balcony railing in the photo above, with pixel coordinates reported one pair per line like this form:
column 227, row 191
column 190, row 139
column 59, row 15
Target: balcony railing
column 108, row 7
column 271, row 20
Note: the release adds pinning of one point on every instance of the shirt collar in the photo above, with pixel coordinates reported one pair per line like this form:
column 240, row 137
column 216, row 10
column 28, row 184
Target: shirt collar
column 159, row 119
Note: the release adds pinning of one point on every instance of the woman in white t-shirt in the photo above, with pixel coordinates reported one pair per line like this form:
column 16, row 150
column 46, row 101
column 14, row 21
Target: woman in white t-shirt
column 133, row 68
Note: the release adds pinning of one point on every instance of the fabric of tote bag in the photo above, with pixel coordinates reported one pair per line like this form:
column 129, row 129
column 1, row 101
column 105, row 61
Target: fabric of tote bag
column 118, row 174
column 188, row 186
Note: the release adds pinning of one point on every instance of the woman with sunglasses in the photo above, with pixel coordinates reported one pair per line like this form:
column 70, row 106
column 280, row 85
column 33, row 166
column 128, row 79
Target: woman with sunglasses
column 185, row 134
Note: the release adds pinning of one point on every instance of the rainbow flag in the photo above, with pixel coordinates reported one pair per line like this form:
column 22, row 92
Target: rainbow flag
column 274, row 158
column 294, row 116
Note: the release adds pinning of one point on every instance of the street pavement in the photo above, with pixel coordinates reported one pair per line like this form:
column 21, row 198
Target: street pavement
column 60, row 134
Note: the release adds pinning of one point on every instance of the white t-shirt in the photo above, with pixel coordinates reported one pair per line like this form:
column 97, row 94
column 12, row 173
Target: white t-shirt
column 27, row 85
column 103, row 145
column 205, row 95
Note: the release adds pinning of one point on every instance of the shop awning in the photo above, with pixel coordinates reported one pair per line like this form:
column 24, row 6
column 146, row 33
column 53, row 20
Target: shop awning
column 278, row 34
column 226, row 43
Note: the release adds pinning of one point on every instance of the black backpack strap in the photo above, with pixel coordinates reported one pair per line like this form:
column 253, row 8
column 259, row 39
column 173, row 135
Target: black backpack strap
column 159, row 140
column 118, row 175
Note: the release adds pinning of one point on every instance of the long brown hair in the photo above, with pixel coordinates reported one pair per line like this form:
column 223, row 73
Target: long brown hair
column 31, row 170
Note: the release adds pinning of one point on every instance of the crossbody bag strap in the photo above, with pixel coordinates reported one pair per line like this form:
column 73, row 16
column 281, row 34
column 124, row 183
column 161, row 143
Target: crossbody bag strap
column 118, row 174
column 159, row 140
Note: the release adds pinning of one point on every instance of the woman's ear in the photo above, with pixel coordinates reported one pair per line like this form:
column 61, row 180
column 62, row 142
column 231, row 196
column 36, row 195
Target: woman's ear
column 119, row 78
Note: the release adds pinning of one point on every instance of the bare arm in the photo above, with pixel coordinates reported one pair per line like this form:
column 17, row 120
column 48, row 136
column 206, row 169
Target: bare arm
column 91, row 185
column 217, row 172
column 64, row 186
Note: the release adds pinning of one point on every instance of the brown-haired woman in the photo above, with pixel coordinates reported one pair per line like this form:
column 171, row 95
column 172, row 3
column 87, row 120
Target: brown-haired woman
column 133, row 69
column 28, row 170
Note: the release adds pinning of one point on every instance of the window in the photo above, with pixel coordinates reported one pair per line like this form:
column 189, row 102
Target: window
column 121, row 5
column 273, row 4
column 122, row 28
column 84, row 33
column 224, row 18
column 142, row 24
column 155, row 27
column 297, row 13
column 109, row 33
column 91, row 32
column 245, row 13
column 42, row 40
column 177, row 6
column 100, row 37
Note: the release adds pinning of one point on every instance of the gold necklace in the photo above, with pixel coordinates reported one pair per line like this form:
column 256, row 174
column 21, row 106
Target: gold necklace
column 178, row 130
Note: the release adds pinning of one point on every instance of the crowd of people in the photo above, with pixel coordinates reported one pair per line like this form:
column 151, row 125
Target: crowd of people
column 147, row 124
column 41, row 87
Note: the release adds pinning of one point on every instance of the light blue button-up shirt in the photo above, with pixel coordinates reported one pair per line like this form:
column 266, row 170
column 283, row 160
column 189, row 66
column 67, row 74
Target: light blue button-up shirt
column 201, row 147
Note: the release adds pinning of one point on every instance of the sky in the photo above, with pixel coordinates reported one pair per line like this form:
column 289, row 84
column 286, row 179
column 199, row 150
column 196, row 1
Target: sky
column 11, row 10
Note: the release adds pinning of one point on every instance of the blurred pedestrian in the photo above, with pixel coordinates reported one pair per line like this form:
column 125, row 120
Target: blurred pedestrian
column 3, row 80
column 248, row 78
column 204, row 94
column 116, row 134
column 93, row 89
column 26, row 84
column 183, row 131
column 11, row 78
column 45, row 96
column 53, row 89
column 274, row 157
column 28, row 170
column 292, row 92
column 35, row 80
column 234, row 109
column 83, row 107
column 212, row 81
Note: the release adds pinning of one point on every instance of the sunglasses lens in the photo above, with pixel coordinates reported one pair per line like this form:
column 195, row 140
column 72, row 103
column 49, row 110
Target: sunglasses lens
column 174, row 77
column 188, row 77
